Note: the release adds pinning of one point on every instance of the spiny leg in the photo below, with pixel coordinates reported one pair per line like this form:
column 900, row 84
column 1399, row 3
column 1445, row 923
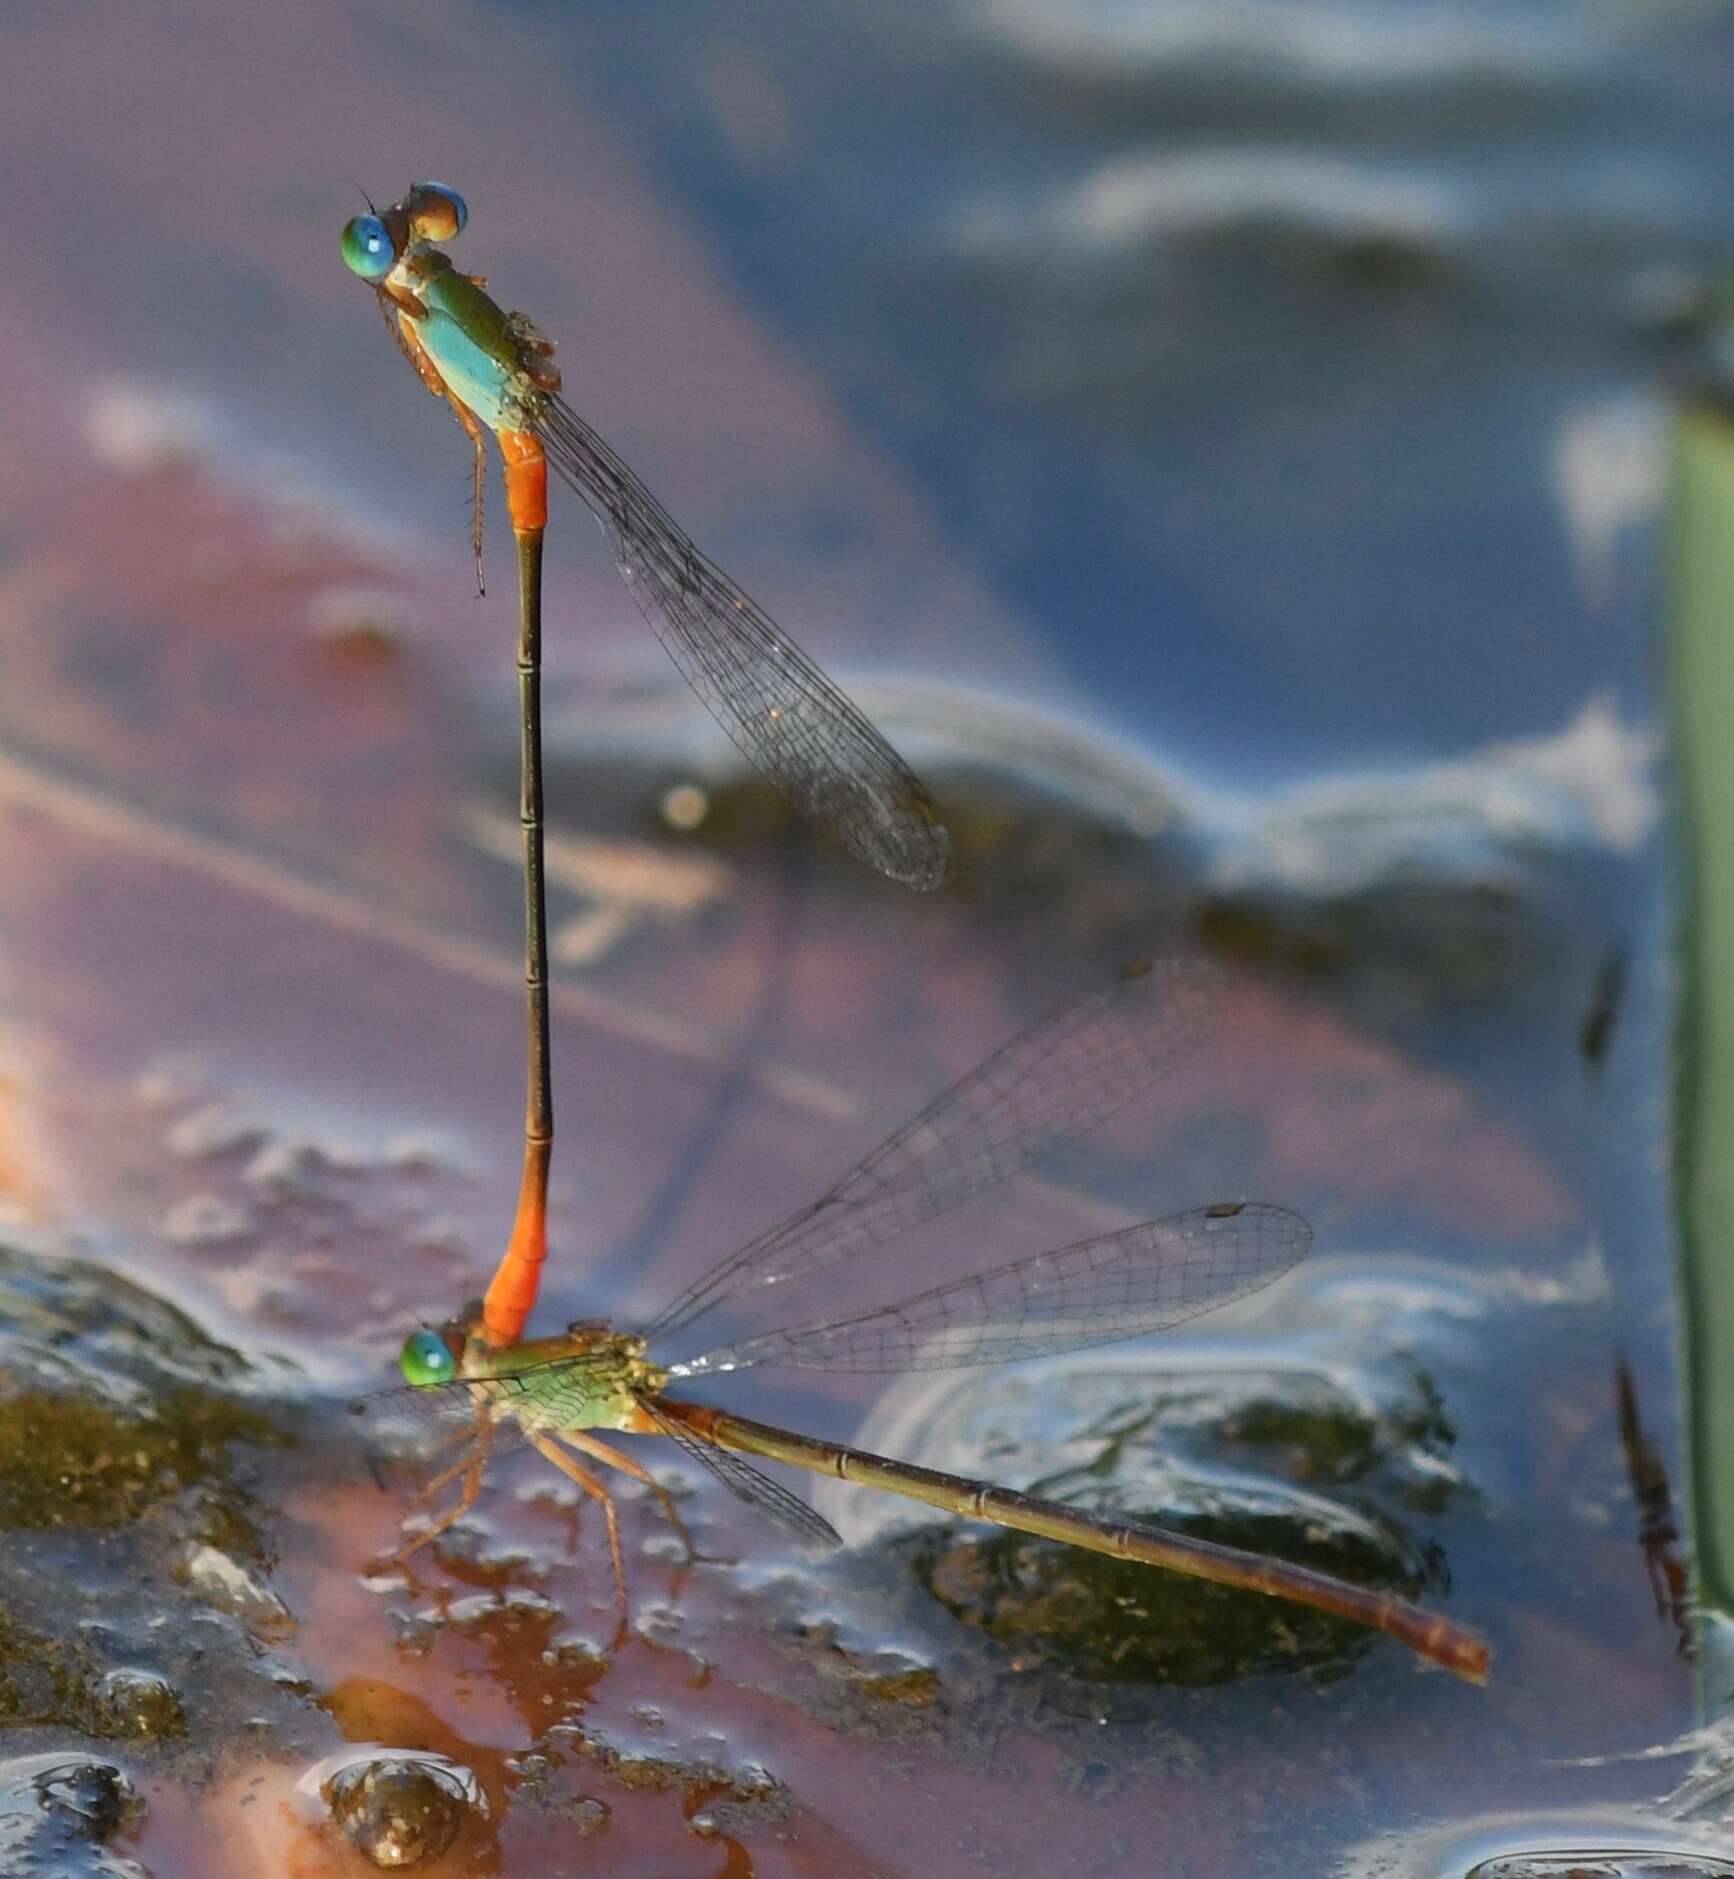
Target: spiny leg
column 431, row 1489
column 587, row 1444
column 456, row 1438
column 597, row 1491
column 478, row 490
column 434, row 380
column 472, row 1466
column 473, row 431
column 416, row 354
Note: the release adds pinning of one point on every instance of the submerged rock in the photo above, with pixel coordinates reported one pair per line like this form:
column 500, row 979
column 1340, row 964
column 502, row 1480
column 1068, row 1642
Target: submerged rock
column 1287, row 1464
column 140, row 1703
column 1612, row 1862
column 399, row 1808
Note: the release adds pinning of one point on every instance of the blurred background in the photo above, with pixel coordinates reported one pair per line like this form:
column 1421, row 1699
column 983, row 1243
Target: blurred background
column 1227, row 446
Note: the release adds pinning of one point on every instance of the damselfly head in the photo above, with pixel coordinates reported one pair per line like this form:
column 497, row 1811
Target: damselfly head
column 374, row 243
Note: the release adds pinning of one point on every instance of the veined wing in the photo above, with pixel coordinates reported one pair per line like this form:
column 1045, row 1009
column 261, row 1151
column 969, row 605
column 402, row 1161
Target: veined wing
column 420, row 1417
column 791, row 722
column 1051, row 1084
column 745, row 1482
column 1118, row 1285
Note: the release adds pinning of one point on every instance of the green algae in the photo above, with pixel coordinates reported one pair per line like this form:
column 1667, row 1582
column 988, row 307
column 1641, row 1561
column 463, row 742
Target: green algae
column 128, row 1447
column 70, row 1460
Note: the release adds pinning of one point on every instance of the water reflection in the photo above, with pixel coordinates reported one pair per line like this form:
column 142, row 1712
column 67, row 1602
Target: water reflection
column 1658, row 1529
column 1250, row 410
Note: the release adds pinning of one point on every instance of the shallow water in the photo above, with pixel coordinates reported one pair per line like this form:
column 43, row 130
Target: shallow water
column 1223, row 446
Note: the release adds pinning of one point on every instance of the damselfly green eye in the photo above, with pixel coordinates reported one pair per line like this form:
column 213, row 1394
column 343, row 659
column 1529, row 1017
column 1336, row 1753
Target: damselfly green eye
column 367, row 247
column 436, row 213
column 427, row 1359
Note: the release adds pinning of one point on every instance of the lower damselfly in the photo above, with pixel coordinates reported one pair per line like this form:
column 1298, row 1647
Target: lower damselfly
column 1066, row 1073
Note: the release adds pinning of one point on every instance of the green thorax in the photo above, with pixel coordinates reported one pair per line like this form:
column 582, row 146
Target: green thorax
column 471, row 338
column 588, row 1379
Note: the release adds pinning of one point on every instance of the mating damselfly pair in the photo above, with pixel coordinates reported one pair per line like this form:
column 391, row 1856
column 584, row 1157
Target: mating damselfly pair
column 1058, row 1079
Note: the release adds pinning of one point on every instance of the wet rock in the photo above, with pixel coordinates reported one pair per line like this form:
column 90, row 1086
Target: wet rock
column 97, row 1794
column 1604, row 1863
column 1113, row 1621
column 75, row 1459
column 230, row 1587
column 1292, row 1466
column 754, row 1802
column 56, row 1814
column 916, row 1687
column 718, row 1794
column 131, row 1443
column 141, row 1704
column 881, row 1676
column 589, row 1816
column 1594, row 1842
column 401, row 1809
column 64, row 1320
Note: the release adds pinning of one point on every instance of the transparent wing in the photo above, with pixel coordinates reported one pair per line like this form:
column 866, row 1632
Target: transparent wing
column 1051, row 1084
column 416, row 1446
column 1098, row 1291
column 784, row 715
column 416, row 1422
column 745, row 1482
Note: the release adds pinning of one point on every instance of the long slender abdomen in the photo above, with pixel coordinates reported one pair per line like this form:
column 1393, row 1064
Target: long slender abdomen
column 1434, row 1638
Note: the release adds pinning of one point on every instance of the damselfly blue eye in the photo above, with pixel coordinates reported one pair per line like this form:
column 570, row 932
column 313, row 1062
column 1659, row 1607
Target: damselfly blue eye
column 368, row 249
column 427, row 1359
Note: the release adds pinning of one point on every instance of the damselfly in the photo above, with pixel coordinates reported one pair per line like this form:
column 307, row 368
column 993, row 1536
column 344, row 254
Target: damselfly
column 1056, row 1080
column 496, row 371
